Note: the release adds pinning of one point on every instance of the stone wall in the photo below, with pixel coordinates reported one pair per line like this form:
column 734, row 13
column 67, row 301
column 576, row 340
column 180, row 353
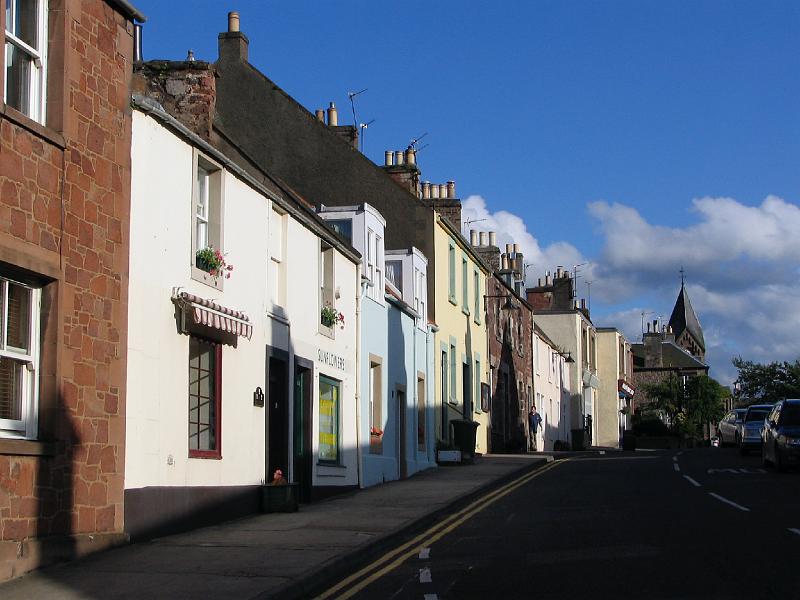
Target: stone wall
column 64, row 213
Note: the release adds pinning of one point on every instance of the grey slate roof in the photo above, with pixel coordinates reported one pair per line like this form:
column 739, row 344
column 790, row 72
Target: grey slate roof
column 683, row 318
column 672, row 355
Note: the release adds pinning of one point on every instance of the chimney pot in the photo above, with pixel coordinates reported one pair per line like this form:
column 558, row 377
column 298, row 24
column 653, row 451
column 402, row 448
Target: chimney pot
column 509, row 248
column 410, row 156
column 443, row 190
column 493, row 238
column 388, row 158
column 547, row 279
column 473, row 237
column 233, row 21
column 434, row 190
column 540, row 282
column 451, row 189
column 516, row 248
column 426, row 189
column 320, row 114
column 484, row 238
column 333, row 116
column 398, row 157
column 504, row 262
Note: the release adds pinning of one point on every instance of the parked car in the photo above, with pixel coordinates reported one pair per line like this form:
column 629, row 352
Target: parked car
column 726, row 429
column 781, row 436
column 748, row 432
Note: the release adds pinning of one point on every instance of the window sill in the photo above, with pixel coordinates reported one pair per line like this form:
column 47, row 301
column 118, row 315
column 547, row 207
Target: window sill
column 465, row 311
column 204, row 277
column 328, row 332
column 36, row 128
column 210, row 454
column 27, row 447
column 452, row 301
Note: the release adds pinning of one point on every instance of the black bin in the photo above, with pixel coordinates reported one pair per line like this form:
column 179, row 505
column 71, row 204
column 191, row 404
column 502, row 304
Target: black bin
column 464, row 433
column 628, row 440
column 577, row 439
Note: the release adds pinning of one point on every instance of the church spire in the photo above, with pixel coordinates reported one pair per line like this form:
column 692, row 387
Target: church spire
column 684, row 319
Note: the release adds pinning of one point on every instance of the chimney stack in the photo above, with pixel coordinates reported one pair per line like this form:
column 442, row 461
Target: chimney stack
column 233, row 22
column 333, row 116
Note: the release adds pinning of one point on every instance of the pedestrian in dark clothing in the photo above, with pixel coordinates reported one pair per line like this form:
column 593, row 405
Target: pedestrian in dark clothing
column 534, row 421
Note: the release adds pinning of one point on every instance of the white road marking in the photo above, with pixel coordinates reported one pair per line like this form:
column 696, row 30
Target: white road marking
column 726, row 501
column 712, row 471
column 425, row 575
column 692, row 481
column 431, row 597
column 425, row 553
column 794, row 530
column 676, row 466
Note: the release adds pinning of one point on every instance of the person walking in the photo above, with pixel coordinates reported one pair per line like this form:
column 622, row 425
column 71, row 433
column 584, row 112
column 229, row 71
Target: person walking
column 534, row 421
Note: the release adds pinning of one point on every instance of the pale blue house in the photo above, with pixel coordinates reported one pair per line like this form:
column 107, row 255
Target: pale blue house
column 395, row 389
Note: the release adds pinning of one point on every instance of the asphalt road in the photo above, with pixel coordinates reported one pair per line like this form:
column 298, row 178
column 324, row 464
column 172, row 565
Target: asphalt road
column 704, row 523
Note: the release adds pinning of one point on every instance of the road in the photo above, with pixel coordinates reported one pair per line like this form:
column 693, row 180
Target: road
column 702, row 523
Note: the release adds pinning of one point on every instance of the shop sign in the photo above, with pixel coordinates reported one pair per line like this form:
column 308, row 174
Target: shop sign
column 330, row 359
column 625, row 388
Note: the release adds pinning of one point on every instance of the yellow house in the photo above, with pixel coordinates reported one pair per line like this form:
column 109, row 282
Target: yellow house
column 461, row 354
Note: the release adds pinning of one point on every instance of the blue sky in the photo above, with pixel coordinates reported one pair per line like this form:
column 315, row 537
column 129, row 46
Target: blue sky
column 598, row 124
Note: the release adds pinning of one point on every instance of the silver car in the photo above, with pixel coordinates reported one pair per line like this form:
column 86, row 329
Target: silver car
column 726, row 429
column 748, row 433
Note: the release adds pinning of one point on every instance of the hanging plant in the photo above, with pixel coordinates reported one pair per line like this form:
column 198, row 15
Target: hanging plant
column 213, row 262
column 329, row 317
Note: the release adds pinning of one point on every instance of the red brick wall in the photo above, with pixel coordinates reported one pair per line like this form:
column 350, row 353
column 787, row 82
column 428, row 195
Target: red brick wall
column 64, row 212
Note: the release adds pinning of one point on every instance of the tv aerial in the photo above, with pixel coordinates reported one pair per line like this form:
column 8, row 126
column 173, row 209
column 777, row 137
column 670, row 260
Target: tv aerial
column 362, row 127
column 352, row 96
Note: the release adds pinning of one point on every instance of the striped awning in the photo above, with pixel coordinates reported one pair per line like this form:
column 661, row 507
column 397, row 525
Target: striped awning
column 210, row 314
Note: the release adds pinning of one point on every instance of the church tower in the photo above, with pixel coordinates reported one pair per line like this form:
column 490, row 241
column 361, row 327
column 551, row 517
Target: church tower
column 686, row 326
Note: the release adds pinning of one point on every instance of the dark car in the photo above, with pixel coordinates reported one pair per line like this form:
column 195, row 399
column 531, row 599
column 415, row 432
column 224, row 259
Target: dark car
column 748, row 432
column 726, row 430
column 781, row 435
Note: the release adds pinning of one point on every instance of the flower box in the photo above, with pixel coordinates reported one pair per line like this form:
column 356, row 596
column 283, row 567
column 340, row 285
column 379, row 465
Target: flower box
column 280, row 498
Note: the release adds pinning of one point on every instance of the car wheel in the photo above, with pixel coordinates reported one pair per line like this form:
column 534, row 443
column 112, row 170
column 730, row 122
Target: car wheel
column 780, row 467
column 721, row 439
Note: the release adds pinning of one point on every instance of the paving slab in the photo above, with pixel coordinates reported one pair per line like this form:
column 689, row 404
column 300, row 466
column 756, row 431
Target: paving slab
column 272, row 555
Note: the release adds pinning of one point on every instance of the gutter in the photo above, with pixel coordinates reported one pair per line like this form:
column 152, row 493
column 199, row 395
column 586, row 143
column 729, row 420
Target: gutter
column 150, row 107
column 128, row 9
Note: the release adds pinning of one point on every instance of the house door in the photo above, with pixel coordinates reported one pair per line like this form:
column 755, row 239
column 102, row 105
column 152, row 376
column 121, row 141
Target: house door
column 278, row 440
column 302, row 453
column 402, row 434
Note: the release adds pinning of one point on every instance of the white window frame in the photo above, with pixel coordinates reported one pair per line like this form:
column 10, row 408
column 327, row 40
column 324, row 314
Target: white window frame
column 277, row 257
column 213, row 218
column 37, row 84
column 27, row 427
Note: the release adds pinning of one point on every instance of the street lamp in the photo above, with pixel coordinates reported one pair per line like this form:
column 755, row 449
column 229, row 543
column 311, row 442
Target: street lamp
column 507, row 305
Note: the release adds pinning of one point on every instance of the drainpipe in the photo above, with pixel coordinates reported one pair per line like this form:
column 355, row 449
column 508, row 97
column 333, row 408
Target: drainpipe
column 360, row 288
column 430, row 380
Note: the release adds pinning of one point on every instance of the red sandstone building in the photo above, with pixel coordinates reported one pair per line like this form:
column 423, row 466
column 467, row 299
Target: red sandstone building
column 509, row 330
column 65, row 127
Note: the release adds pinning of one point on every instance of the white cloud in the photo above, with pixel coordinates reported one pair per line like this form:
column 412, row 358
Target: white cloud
column 741, row 261
column 511, row 229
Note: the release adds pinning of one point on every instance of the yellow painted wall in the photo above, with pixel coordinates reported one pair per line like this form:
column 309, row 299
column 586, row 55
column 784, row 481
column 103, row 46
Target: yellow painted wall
column 458, row 324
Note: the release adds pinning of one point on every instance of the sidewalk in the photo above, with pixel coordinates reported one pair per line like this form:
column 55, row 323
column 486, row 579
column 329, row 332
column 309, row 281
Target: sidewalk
column 272, row 554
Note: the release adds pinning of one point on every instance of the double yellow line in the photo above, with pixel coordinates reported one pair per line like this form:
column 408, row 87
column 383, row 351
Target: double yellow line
column 399, row 555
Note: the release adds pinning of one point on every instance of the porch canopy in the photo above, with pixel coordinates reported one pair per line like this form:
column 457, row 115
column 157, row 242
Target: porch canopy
column 199, row 311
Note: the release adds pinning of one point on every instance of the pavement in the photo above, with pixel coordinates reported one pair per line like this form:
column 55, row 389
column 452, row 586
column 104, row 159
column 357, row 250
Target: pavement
column 275, row 555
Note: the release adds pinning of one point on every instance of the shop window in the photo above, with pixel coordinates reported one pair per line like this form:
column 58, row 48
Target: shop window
column 329, row 397
column 19, row 359
column 205, row 398
column 25, row 60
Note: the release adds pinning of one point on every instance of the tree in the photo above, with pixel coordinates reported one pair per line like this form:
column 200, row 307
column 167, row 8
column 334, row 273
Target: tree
column 690, row 404
column 767, row 383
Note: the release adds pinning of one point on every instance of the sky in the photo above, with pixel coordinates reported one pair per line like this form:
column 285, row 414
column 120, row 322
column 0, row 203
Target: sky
column 639, row 137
